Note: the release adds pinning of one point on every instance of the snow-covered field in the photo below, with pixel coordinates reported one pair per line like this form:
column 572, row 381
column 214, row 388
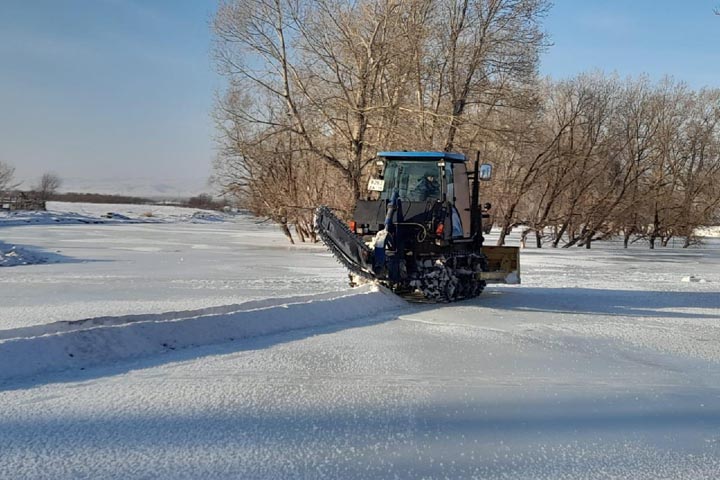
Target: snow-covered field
column 201, row 346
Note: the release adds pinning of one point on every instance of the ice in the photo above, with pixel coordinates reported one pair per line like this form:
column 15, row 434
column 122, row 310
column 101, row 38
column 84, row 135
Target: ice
column 216, row 350
column 170, row 264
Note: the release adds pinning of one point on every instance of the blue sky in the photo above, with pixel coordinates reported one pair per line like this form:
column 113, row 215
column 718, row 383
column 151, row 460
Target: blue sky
column 106, row 88
column 632, row 37
column 124, row 88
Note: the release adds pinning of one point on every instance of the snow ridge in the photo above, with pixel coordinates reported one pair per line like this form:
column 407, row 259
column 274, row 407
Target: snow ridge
column 12, row 255
column 74, row 345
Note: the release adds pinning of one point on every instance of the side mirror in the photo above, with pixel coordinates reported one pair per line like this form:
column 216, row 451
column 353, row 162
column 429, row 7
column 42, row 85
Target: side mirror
column 485, row 172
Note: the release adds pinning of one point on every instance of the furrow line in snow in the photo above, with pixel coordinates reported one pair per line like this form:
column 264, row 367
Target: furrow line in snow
column 473, row 326
column 108, row 321
column 111, row 342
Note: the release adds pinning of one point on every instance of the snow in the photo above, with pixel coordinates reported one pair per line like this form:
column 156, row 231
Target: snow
column 216, row 350
column 111, row 213
column 83, row 343
column 512, row 278
column 708, row 232
column 123, row 268
column 12, row 255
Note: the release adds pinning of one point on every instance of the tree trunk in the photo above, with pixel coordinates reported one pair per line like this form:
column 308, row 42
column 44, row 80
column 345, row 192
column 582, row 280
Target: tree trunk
column 300, row 232
column 286, row 230
column 523, row 237
column 655, row 230
column 559, row 235
column 626, row 236
column 503, row 233
column 507, row 224
column 571, row 242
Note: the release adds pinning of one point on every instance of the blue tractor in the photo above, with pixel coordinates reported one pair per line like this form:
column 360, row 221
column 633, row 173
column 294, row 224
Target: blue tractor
column 419, row 230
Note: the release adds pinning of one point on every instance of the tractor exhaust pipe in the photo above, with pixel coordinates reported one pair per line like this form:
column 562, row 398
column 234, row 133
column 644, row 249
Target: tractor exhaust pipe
column 475, row 213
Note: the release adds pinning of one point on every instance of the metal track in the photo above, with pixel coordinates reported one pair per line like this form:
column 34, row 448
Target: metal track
column 439, row 280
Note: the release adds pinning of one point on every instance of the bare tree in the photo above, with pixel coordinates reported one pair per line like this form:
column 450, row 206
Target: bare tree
column 474, row 59
column 314, row 69
column 331, row 82
column 604, row 157
column 688, row 193
column 7, row 174
column 317, row 88
column 48, row 185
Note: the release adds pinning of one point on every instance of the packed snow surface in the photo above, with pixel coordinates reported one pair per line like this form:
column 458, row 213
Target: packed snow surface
column 172, row 347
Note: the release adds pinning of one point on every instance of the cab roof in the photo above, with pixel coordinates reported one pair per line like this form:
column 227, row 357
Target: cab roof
column 451, row 157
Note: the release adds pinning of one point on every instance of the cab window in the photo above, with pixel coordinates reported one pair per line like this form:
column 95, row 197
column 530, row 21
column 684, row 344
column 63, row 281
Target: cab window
column 415, row 181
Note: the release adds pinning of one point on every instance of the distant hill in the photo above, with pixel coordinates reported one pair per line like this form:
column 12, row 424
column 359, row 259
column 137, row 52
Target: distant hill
column 139, row 186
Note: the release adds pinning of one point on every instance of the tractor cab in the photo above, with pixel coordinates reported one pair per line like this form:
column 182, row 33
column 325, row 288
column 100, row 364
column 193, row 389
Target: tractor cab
column 427, row 184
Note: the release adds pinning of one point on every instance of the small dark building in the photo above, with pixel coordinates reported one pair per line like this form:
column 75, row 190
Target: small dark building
column 20, row 201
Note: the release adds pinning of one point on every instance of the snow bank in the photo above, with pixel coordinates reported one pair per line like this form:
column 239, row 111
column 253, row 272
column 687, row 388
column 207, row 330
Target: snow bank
column 12, row 255
column 138, row 213
column 15, row 218
column 67, row 345
column 113, row 213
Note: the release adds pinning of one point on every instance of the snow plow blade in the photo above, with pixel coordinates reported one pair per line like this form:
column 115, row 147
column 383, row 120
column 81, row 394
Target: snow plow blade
column 503, row 265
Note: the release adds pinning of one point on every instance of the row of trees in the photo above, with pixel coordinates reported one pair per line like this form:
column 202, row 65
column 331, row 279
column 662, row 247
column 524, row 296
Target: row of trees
column 604, row 157
column 316, row 88
column 47, row 185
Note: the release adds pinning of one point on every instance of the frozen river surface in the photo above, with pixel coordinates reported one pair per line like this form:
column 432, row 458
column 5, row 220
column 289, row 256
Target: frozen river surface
column 213, row 349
